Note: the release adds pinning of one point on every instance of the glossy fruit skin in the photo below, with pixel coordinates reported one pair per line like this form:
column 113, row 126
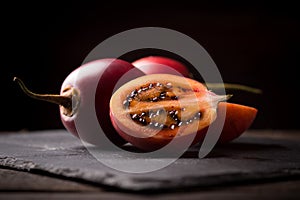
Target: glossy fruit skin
column 149, row 139
column 162, row 65
column 238, row 119
column 109, row 71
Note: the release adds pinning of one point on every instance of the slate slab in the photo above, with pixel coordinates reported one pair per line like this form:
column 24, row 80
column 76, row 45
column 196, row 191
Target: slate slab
column 252, row 157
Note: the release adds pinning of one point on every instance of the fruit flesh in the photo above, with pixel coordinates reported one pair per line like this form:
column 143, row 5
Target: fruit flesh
column 238, row 118
column 147, row 121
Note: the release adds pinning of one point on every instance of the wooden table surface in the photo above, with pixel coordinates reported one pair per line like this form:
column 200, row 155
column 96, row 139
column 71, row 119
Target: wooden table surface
column 15, row 184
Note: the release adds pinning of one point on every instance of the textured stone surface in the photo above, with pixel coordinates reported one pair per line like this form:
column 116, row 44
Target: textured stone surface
column 256, row 156
column 20, row 181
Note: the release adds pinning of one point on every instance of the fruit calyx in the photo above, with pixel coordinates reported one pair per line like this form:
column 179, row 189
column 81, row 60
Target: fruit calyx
column 68, row 100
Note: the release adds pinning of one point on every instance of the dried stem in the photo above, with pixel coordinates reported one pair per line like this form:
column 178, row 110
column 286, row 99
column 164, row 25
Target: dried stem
column 233, row 86
column 64, row 101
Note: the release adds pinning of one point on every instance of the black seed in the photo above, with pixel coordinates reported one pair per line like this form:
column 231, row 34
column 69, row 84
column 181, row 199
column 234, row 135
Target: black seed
column 169, row 85
column 179, row 123
column 143, row 121
column 183, row 109
column 172, row 112
column 143, row 114
column 172, row 126
column 173, row 115
column 133, row 93
column 150, row 86
column 155, row 99
column 151, row 115
column 190, row 120
column 198, row 115
column 139, row 91
column 161, row 126
column 158, row 84
column 158, row 112
column 144, row 88
column 156, row 124
column 134, row 116
column 162, row 95
column 126, row 103
column 174, row 98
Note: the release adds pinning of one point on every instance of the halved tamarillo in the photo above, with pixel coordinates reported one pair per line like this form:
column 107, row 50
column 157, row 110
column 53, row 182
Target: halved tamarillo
column 152, row 110
column 76, row 96
column 238, row 118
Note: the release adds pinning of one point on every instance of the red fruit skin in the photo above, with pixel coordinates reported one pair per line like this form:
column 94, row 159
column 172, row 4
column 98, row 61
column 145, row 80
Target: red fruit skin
column 113, row 73
column 161, row 65
column 139, row 136
column 154, row 144
column 238, row 118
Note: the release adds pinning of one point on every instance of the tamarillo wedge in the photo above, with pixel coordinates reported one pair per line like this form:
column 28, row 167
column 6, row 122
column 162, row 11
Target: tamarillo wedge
column 238, row 119
column 152, row 110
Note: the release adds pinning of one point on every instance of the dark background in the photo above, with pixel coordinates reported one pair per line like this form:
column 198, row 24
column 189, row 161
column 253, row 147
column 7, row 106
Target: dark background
column 252, row 43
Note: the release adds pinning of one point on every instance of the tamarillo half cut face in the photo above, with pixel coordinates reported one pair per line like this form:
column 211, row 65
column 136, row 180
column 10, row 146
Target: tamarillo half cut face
column 152, row 110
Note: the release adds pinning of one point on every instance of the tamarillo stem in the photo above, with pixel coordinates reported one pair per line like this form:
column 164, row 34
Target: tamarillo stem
column 65, row 101
column 233, row 86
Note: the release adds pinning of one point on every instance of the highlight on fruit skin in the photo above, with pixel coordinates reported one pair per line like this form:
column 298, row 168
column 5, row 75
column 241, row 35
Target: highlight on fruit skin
column 238, row 118
column 154, row 64
column 162, row 65
column 152, row 110
column 75, row 97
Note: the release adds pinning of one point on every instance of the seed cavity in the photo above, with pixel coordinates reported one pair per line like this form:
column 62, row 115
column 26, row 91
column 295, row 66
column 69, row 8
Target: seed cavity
column 154, row 92
column 159, row 118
